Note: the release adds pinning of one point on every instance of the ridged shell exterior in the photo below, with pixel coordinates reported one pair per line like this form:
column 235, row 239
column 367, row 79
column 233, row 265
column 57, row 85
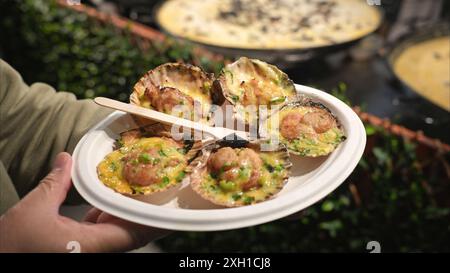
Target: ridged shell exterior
column 252, row 68
column 172, row 75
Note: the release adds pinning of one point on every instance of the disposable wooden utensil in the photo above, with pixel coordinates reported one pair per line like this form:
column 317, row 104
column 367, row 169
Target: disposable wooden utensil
column 237, row 138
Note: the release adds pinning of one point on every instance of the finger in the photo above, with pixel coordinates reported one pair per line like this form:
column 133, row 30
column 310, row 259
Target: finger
column 92, row 215
column 108, row 237
column 112, row 234
column 142, row 234
column 105, row 217
column 115, row 238
column 52, row 190
column 57, row 183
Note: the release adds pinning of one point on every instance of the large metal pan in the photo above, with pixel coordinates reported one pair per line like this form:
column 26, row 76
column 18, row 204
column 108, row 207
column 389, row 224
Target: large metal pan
column 422, row 112
column 426, row 34
column 280, row 57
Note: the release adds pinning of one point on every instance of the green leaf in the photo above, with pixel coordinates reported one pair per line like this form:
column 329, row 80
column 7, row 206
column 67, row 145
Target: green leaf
column 380, row 154
column 327, row 206
column 370, row 130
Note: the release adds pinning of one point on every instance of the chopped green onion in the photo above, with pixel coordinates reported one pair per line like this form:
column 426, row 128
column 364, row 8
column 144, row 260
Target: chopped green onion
column 227, row 185
column 244, row 173
column 269, row 167
column 162, row 153
column 165, row 181
column 113, row 166
column 134, row 162
column 248, row 199
column 144, row 158
column 236, row 196
column 180, row 176
column 277, row 100
column 279, row 168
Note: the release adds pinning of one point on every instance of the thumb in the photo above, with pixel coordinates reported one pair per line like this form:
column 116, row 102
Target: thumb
column 52, row 190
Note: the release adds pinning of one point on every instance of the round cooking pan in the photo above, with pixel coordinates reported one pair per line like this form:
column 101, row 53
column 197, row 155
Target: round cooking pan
column 279, row 56
column 423, row 35
column 421, row 113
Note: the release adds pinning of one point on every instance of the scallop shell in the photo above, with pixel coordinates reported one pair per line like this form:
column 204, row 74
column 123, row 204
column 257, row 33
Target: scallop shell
column 152, row 130
column 188, row 79
column 320, row 144
column 198, row 169
column 234, row 77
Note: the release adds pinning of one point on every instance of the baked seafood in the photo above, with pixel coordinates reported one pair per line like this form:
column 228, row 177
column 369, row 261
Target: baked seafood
column 174, row 88
column 146, row 162
column 241, row 176
column 307, row 128
column 251, row 82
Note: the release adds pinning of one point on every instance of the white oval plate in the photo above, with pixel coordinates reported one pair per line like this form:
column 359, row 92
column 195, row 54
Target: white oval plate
column 181, row 209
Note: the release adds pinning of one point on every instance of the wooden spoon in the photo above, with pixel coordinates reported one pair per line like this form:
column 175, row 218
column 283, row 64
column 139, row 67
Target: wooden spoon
column 237, row 138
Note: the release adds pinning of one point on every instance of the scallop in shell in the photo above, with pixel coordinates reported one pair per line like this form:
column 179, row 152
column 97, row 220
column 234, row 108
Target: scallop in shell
column 241, row 176
column 146, row 161
column 307, row 128
column 251, row 82
column 173, row 85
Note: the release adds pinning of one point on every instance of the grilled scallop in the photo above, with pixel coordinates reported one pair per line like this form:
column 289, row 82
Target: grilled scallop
column 175, row 88
column 234, row 177
column 306, row 128
column 146, row 162
column 251, row 82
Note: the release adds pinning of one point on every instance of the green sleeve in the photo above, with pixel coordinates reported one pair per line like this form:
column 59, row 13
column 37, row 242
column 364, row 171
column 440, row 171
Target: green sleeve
column 36, row 123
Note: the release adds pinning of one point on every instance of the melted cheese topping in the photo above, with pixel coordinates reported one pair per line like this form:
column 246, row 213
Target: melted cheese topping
column 267, row 24
column 110, row 169
column 190, row 81
column 271, row 180
column 311, row 144
column 197, row 94
column 201, row 100
column 249, row 88
column 425, row 67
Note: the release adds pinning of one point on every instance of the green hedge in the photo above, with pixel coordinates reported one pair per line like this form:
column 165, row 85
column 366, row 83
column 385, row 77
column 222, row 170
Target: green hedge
column 72, row 52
